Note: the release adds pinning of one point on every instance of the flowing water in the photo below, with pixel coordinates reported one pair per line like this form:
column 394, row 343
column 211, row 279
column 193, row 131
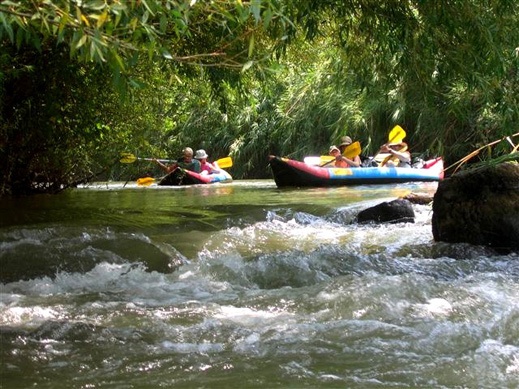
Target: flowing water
column 244, row 285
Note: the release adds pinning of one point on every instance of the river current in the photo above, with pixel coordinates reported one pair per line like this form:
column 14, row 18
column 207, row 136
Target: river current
column 245, row 285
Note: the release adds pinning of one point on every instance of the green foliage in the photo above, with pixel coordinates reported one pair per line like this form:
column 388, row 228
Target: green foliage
column 442, row 70
column 46, row 105
column 246, row 79
column 225, row 33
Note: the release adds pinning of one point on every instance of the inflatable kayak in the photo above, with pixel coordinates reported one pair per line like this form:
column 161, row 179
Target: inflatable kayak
column 181, row 176
column 288, row 172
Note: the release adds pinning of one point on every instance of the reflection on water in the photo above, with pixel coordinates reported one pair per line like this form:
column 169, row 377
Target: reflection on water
column 244, row 285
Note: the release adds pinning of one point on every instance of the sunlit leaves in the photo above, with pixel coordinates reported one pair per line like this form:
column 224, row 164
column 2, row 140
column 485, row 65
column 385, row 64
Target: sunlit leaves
column 95, row 27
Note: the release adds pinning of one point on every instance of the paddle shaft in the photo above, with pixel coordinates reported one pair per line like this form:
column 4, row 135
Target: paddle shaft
column 155, row 159
column 222, row 163
column 130, row 158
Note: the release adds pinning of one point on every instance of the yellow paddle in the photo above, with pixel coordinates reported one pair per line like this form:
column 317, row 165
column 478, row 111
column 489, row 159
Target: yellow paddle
column 145, row 181
column 350, row 152
column 130, row 158
column 223, row 163
column 396, row 135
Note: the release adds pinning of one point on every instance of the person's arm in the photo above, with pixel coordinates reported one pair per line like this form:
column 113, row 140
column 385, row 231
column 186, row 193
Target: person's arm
column 166, row 168
column 214, row 167
column 354, row 163
column 358, row 161
column 404, row 157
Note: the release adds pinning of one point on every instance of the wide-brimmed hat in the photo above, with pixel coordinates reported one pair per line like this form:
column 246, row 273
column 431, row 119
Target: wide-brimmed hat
column 345, row 141
column 200, row 154
column 333, row 148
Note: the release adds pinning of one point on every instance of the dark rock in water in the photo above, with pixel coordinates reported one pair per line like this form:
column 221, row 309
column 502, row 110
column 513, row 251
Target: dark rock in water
column 59, row 255
column 480, row 207
column 396, row 211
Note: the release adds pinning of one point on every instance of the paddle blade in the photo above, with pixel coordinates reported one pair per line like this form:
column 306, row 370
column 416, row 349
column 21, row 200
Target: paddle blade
column 352, row 150
column 397, row 134
column 127, row 158
column 224, row 162
column 324, row 159
column 145, row 181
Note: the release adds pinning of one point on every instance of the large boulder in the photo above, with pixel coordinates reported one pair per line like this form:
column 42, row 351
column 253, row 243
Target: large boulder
column 479, row 206
column 396, row 211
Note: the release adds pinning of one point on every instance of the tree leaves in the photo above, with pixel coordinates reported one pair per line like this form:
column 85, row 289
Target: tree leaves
column 93, row 29
column 203, row 73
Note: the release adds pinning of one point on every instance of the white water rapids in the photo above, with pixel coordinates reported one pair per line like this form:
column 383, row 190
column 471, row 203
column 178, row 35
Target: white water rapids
column 264, row 289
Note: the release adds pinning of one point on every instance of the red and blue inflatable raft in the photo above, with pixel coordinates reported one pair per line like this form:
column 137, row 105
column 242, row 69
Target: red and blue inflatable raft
column 288, row 172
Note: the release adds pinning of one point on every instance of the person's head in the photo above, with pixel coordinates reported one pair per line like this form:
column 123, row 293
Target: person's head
column 334, row 150
column 345, row 141
column 402, row 146
column 188, row 153
column 201, row 154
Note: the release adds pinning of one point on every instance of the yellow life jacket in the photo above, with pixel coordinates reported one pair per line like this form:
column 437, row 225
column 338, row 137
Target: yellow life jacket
column 394, row 158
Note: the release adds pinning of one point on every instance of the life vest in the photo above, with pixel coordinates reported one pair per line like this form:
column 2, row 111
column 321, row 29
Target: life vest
column 206, row 167
column 341, row 163
column 396, row 161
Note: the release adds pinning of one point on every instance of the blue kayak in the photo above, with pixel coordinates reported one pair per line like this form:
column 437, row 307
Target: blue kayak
column 289, row 172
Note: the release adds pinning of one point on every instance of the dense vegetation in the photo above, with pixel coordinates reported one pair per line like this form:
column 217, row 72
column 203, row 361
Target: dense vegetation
column 82, row 81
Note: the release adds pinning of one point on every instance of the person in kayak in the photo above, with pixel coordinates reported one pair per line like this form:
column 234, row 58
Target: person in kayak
column 398, row 156
column 205, row 167
column 186, row 162
column 340, row 159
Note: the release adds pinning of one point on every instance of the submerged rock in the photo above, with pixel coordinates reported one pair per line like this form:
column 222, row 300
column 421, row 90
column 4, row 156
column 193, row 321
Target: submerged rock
column 46, row 255
column 480, row 207
column 396, row 211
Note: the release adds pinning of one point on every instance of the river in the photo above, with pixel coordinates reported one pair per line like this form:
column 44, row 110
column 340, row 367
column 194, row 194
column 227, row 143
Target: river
column 244, row 285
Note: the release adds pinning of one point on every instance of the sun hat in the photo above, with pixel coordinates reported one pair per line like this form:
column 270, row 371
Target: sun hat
column 345, row 141
column 333, row 148
column 200, row 154
column 188, row 151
